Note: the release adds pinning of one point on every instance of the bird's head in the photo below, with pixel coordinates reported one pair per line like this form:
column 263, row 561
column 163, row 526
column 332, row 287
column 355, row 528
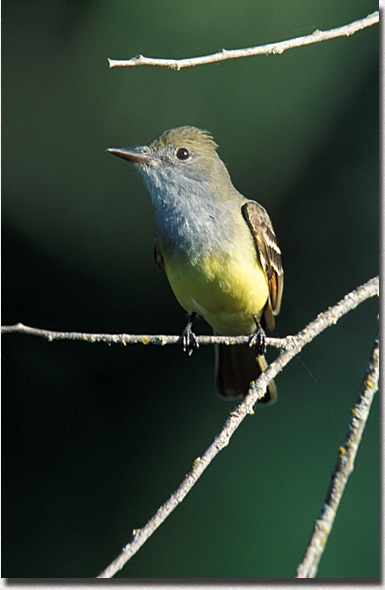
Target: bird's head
column 183, row 159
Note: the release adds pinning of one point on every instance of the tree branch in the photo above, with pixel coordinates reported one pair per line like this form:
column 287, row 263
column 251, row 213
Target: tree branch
column 256, row 391
column 270, row 48
column 344, row 467
column 157, row 339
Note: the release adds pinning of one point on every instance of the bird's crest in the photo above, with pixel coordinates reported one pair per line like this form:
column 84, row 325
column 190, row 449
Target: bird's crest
column 189, row 137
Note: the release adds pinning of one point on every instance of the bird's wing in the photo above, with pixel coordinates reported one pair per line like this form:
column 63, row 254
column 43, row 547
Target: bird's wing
column 158, row 255
column 269, row 254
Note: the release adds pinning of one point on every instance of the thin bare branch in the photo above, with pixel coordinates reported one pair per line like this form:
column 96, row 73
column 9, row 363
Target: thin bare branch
column 344, row 467
column 270, row 48
column 256, row 391
column 157, row 339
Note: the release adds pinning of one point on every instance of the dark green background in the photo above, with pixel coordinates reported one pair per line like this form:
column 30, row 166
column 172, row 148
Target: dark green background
column 95, row 438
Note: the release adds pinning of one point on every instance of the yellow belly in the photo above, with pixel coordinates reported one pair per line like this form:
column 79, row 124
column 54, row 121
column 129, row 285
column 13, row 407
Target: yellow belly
column 225, row 290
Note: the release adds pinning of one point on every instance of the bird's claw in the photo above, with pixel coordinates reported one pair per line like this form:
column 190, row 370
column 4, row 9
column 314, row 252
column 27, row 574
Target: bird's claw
column 258, row 339
column 189, row 341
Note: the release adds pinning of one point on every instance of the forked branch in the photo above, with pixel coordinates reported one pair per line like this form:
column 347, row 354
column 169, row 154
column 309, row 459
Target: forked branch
column 256, row 391
column 292, row 345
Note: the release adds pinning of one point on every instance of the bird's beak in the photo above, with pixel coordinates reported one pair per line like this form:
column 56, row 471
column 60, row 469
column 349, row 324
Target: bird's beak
column 136, row 155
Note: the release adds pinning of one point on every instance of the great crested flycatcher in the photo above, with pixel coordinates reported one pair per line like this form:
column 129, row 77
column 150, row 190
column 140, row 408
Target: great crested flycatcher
column 218, row 249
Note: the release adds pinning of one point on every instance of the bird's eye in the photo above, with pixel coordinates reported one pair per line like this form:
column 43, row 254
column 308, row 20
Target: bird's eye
column 182, row 154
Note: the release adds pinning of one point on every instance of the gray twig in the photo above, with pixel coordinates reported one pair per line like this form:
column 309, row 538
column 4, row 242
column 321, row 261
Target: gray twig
column 157, row 339
column 344, row 467
column 270, row 48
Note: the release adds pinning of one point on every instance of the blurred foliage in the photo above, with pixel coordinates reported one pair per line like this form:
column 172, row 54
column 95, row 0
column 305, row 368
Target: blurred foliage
column 96, row 438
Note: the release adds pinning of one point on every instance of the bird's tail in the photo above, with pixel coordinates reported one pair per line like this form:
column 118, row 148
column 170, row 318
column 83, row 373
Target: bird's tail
column 236, row 366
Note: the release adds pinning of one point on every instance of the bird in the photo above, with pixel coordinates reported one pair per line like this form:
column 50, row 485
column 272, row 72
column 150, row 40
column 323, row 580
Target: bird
column 217, row 247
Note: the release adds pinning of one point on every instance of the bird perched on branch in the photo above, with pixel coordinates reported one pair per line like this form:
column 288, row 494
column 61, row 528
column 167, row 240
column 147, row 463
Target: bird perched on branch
column 218, row 249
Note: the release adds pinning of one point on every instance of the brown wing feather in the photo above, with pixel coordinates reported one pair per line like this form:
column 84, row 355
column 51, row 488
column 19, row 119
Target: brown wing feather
column 269, row 254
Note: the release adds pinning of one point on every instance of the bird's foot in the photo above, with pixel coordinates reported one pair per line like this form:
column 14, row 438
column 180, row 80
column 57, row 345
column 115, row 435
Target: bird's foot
column 258, row 339
column 189, row 341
